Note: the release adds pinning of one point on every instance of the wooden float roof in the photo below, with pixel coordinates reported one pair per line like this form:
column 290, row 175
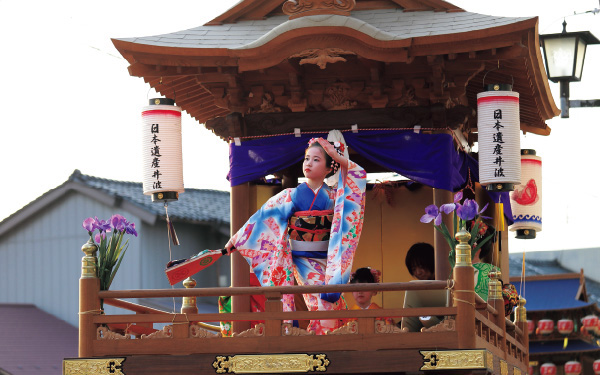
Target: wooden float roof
column 213, row 70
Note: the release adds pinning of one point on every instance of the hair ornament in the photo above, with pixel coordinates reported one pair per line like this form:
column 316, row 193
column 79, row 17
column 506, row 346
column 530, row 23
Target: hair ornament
column 376, row 274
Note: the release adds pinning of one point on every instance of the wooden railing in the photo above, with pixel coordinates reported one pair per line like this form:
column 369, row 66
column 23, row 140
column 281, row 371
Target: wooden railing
column 470, row 323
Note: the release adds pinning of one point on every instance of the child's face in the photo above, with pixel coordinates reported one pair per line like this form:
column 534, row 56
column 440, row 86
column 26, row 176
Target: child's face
column 363, row 299
column 314, row 164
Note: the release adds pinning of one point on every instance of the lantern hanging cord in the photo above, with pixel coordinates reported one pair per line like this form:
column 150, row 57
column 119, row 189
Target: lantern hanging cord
column 169, row 241
column 497, row 68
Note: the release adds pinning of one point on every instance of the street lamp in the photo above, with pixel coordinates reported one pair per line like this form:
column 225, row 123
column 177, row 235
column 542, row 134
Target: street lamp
column 564, row 54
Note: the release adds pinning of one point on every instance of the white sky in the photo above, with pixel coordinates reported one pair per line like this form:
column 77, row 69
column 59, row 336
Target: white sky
column 69, row 103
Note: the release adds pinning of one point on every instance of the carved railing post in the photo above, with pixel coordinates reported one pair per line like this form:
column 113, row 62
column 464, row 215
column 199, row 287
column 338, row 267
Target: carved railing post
column 89, row 302
column 497, row 302
column 464, row 292
column 188, row 305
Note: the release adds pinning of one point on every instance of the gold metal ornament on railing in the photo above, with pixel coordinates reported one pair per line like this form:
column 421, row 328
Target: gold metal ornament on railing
column 89, row 261
column 495, row 286
column 521, row 311
column 463, row 249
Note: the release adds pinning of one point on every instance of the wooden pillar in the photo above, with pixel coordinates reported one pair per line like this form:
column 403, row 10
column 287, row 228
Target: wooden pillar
column 464, row 292
column 442, row 265
column 240, row 270
column 89, row 302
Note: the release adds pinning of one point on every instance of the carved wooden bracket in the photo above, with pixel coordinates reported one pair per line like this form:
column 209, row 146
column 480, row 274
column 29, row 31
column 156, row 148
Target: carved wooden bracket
column 322, row 56
column 300, row 8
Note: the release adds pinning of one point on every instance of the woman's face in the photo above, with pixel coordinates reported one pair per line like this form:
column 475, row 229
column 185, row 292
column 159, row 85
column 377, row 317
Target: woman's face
column 314, row 166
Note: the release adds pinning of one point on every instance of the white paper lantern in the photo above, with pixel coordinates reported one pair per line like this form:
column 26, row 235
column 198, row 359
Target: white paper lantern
column 499, row 140
column 526, row 199
column 161, row 150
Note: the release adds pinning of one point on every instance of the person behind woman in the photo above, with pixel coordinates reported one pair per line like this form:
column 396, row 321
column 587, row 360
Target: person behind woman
column 484, row 266
column 420, row 261
column 310, row 232
column 363, row 298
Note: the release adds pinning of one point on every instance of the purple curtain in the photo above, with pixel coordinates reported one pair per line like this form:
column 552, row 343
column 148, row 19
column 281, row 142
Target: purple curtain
column 430, row 159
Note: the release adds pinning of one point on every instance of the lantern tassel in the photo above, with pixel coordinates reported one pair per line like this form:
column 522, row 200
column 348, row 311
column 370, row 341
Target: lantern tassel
column 500, row 222
column 565, row 343
column 170, row 228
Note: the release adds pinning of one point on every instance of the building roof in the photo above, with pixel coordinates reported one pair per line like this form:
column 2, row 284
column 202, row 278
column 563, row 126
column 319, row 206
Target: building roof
column 213, row 69
column 379, row 24
column 541, row 294
column 201, row 206
column 557, row 347
column 33, row 341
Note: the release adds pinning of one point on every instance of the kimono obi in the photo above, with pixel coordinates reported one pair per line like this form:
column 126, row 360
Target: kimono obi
column 309, row 230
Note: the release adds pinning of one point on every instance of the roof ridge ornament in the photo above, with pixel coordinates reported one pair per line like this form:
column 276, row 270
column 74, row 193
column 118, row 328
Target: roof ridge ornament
column 301, row 8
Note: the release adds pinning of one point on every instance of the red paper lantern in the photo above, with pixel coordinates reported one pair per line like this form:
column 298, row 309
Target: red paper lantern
column 596, row 367
column 545, row 326
column 530, row 327
column 530, row 370
column 597, row 329
column 548, row 369
column 589, row 322
column 572, row 368
column 565, row 326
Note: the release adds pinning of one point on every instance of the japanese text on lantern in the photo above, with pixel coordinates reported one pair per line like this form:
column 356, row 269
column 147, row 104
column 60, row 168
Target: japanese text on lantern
column 155, row 153
column 498, row 141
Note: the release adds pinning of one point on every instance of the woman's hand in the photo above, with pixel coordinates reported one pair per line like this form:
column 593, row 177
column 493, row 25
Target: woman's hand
column 331, row 151
column 229, row 246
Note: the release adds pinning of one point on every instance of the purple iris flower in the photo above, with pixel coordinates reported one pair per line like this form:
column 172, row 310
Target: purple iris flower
column 102, row 225
column 89, row 224
column 432, row 213
column 99, row 237
column 469, row 210
column 118, row 222
column 130, row 228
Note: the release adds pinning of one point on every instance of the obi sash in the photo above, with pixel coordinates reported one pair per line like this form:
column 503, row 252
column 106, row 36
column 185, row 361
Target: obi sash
column 309, row 232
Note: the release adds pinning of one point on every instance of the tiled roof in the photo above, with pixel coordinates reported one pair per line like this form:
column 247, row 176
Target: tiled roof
column 381, row 24
column 535, row 267
column 195, row 205
column 33, row 341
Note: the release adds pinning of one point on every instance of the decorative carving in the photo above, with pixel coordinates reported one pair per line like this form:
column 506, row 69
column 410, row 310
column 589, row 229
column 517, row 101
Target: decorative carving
column 516, row 371
column 455, row 360
column 322, row 56
column 267, row 106
column 298, row 8
column 287, row 329
column 271, row 364
column 337, row 97
column 503, row 368
column 444, row 326
column 489, row 361
column 165, row 333
column 258, row 330
column 350, row 328
column 102, row 366
column 408, row 98
column 381, row 327
column 103, row 333
column 198, row 332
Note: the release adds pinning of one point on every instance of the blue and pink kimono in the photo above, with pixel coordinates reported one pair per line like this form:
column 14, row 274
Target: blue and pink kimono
column 315, row 256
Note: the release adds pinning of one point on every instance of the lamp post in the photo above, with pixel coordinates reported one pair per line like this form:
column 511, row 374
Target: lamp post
column 564, row 54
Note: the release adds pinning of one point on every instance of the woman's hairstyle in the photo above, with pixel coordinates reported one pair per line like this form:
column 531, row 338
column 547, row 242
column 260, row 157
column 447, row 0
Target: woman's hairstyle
column 328, row 159
column 365, row 275
column 421, row 255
